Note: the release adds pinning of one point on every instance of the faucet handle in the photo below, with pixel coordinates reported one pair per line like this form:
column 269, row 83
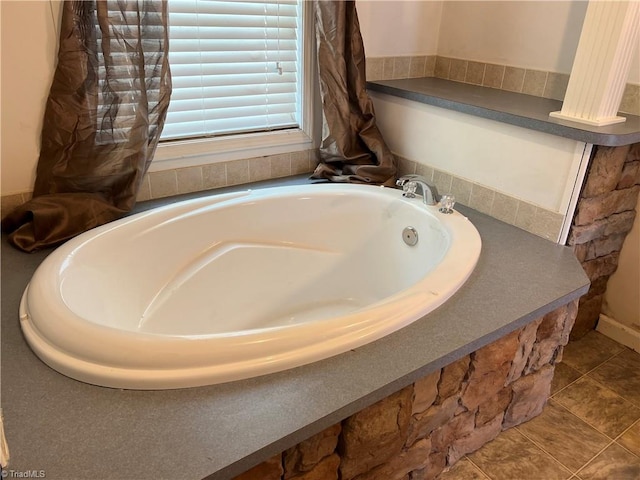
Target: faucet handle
column 409, row 189
column 404, row 179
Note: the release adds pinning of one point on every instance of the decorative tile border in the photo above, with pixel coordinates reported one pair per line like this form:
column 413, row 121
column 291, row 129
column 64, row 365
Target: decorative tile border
column 205, row 177
column 237, row 172
column 527, row 216
column 504, row 77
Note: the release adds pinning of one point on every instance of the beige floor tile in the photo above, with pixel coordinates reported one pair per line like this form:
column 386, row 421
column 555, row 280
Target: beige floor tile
column 614, row 463
column 622, row 375
column 590, row 351
column 512, row 456
column 463, row 470
column 598, row 406
column 631, row 439
column 564, row 436
column 563, row 376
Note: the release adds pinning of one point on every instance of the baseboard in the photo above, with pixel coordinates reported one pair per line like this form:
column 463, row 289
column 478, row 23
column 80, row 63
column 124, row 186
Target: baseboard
column 627, row 336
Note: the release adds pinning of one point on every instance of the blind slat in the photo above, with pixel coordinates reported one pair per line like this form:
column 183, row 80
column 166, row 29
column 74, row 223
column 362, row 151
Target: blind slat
column 234, row 65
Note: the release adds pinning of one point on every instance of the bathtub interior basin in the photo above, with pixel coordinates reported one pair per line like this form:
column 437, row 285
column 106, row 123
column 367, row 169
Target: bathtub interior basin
column 237, row 285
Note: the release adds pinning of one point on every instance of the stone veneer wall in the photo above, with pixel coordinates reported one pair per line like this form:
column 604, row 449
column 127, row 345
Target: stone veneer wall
column 419, row 431
column 604, row 216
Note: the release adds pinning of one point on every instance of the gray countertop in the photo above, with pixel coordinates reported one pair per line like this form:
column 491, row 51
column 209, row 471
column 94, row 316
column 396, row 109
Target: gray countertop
column 507, row 107
column 73, row 430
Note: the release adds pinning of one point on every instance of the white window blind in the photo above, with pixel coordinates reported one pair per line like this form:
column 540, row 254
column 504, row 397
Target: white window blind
column 235, row 67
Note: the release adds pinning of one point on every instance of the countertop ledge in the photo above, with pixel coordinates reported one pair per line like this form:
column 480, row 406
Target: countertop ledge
column 72, row 430
column 518, row 109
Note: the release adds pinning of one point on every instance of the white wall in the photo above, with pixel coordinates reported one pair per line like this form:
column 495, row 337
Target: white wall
column 536, row 167
column 622, row 298
column 28, row 52
column 540, row 35
column 395, row 28
column 537, row 35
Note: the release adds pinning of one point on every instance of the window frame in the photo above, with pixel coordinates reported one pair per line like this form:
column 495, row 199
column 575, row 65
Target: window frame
column 174, row 154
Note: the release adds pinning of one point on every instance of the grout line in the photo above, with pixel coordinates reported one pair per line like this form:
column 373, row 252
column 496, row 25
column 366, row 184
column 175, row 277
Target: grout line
column 567, row 386
column 593, row 458
column 632, row 402
column 544, row 451
column 481, row 470
column 542, row 447
column 637, row 422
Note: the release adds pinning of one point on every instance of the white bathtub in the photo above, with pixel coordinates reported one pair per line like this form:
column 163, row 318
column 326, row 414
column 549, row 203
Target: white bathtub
column 238, row 285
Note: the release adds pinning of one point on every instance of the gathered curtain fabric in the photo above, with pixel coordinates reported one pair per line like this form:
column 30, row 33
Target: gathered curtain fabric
column 103, row 118
column 352, row 148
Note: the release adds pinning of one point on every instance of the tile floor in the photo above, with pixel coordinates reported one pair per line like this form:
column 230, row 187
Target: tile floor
column 589, row 430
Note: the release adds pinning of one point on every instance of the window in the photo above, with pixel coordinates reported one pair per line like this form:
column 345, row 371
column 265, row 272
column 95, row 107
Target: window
column 237, row 72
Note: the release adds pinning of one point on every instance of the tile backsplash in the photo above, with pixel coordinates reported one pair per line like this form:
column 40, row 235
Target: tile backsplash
column 194, row 179
column 504, row 77
column 532, row 218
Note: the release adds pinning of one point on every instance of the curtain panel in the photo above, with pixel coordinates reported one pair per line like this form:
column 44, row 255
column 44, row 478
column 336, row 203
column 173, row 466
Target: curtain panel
column 352, row 148
column 104, row 115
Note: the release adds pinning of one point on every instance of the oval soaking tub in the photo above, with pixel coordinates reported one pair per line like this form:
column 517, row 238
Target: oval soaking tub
column 242, row 284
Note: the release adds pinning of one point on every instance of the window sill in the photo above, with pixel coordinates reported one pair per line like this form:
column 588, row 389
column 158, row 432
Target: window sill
column 192, row 153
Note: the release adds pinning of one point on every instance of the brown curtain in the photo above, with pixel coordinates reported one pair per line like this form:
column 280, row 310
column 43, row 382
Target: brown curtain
column 352, row 148
column 103, row 119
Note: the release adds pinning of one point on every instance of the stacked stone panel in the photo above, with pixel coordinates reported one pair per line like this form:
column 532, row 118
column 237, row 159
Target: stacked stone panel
column 426, row 427
column 604, row 216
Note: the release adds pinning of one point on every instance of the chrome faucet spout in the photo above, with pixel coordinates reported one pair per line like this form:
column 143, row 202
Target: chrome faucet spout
column 412, row 183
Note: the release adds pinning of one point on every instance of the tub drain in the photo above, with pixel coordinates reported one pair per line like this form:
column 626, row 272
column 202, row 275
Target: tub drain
column 410, row 236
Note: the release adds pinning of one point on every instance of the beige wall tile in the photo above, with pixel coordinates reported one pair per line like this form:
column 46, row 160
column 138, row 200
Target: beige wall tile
column 461, row 190
column 525, row 216
column 631, row 99
column 300, row 162
column 556, row 85
column 481, row 198
column 314, row 157
column 387, row 70
column 9, row 202
column 534, row 82
column 493, row 75
column 189, row 179
column 504, row 208
column 401, row 67
column 424, row 171
column 237, row 172
column 144, row 192
column 405, row 166
column 163, row 184
column 513, row 79
column 280, row 165
column 417, row 66
column 259, row 169
column 443, row 64
column 475, row 73
column 442, row 181
column 214, row 175
column 375, row 68
column 547, row 224
column 458, row 70
column 430, row 66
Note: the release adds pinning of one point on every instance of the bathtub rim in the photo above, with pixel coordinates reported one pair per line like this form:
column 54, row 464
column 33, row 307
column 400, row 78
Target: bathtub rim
column 163, row 377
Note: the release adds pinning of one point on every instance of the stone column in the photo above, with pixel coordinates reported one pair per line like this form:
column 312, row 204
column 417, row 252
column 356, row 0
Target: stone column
column 604, row 216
